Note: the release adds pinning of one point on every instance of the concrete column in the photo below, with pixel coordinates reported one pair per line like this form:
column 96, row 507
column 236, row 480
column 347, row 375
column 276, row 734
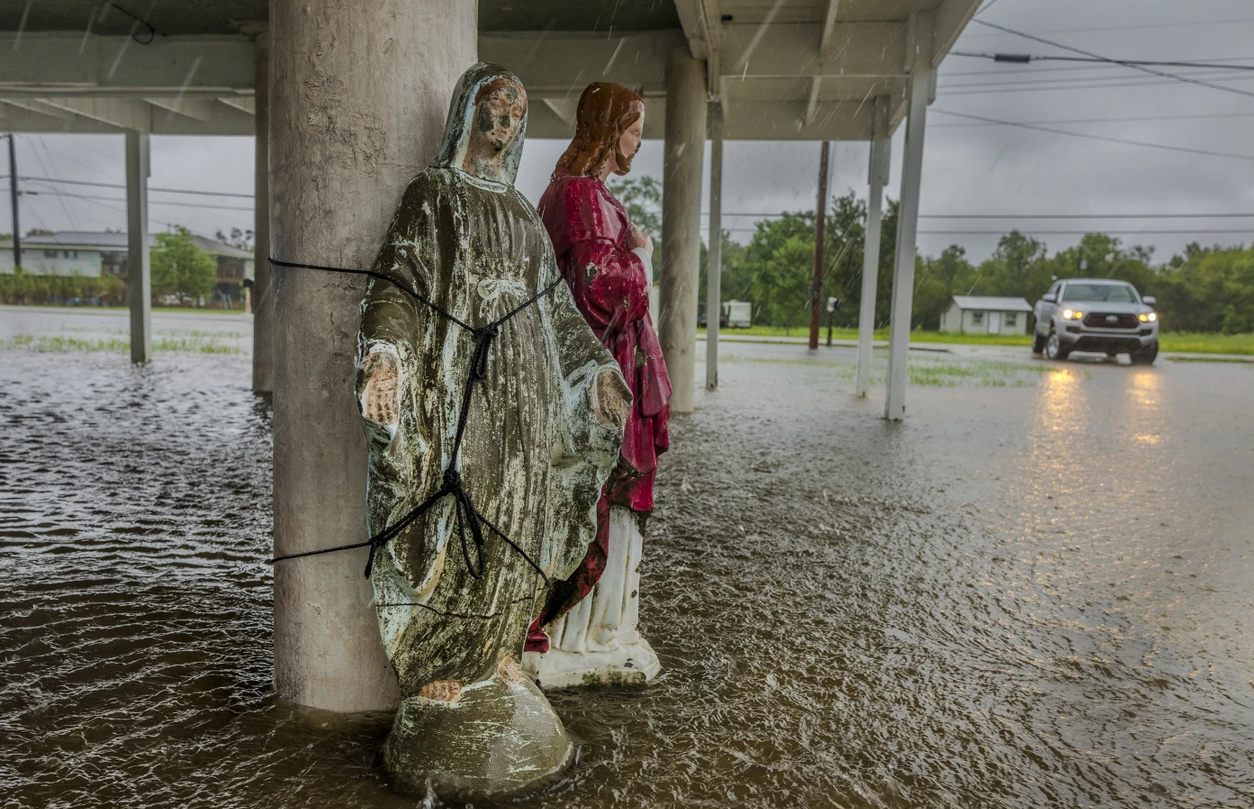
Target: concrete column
column 714, row 256
column 908, row 219
column 359, row 91
column 262, row 298
column 138, row 267
column 880, row 157
column 681, row 222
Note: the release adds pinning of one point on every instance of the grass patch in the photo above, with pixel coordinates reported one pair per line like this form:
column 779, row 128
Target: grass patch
column 1237, row 360
column 193, row 342
column 1197, row 343
column 918, row 336
column 1184, row 342
column 931, row 372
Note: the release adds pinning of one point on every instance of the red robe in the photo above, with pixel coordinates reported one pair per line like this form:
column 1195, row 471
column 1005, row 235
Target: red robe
column 589, row 229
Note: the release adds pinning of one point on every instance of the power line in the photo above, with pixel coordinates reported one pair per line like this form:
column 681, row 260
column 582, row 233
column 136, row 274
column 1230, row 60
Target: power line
column 169, row 204
column 1128, row 27
column 1225, row 215
column 1092, row 83
column 1141, row 68
column 1025, row 58
column 1098, row 137
column 1143, row 232
column 122, row 185
column 1218, row 62
column 1138, row 119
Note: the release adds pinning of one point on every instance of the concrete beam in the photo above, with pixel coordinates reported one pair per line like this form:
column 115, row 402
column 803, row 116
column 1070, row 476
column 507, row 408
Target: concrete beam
column 21, row 119
column 198, row 109
column 71, row 62
column 786, row 120
column 123, row 113
column 560, row 65
column 829, row 26
column 703, row 28
column 952, row 17
column 862, row 49
column 242, row 103
column 35, row 106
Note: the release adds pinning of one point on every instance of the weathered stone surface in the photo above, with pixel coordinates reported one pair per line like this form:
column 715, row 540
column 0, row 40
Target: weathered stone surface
column 497, row 736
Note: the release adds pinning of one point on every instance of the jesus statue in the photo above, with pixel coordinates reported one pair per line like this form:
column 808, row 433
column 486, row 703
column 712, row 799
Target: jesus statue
column 588, row 632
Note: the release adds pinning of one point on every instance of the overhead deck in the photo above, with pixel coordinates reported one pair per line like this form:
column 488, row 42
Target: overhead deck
column 784, row 69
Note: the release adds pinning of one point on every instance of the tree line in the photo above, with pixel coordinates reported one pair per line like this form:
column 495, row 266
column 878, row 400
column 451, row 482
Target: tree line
column 1205, row 289
column 179, row 267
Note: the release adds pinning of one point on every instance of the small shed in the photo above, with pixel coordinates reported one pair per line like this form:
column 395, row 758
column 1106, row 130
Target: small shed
column 979, row 314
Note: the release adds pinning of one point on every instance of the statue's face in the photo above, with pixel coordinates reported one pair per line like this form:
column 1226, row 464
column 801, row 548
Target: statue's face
column 498, row 117
column 629, row 144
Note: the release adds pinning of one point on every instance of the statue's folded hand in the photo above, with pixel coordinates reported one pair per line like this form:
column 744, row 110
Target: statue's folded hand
column 612, row 399
column 380, row 397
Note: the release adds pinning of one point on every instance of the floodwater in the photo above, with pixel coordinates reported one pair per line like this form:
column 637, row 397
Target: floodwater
column 1034, row 592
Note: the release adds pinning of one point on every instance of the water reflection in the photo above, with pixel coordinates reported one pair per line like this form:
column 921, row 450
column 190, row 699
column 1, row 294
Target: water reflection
column 850, row 613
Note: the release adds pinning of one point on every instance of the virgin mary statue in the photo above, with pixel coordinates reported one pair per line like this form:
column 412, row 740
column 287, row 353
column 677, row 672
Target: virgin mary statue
column 494, row 416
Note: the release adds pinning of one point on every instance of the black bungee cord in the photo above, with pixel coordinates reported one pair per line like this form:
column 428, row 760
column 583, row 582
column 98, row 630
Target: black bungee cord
column 467, row 514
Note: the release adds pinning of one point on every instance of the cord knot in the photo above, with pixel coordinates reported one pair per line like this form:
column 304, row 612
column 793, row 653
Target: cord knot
column 452, row 480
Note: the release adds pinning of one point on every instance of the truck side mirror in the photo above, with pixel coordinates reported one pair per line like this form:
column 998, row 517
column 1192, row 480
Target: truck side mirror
column 1149, row 300
column 1050, row 298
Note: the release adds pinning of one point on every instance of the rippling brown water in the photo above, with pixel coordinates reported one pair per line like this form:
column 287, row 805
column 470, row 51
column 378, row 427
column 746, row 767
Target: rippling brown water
column 1021, row 597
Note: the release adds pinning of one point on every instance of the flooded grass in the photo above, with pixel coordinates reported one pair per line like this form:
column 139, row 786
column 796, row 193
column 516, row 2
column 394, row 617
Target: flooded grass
column 1238, row 360
column 185, row 342
column 932, row 372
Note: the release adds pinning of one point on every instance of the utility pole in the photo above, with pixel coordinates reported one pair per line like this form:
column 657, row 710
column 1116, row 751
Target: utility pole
column 17, row 228
column 816, row 286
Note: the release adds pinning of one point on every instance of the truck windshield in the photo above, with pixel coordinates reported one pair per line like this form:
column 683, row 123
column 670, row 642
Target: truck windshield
column 1099, row 293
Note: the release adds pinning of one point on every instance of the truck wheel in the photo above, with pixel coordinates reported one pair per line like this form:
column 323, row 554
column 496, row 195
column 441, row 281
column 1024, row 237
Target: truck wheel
column 1038, row 342
column 1147, row 355
column 1054, row 349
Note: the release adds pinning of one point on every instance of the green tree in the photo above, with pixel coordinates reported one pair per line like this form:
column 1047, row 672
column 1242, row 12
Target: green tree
column 642, row 198
column 180, row 267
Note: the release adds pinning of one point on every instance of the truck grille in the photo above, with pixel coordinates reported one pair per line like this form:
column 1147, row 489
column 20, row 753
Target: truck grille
column 1102, row 320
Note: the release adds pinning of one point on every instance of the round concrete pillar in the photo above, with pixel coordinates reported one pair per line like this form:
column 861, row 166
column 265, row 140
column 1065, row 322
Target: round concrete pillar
column 681, row 222
column 359, row 91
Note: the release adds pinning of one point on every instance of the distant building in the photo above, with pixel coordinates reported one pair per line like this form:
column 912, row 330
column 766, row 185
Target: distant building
column 93, row 253
column 977, row 314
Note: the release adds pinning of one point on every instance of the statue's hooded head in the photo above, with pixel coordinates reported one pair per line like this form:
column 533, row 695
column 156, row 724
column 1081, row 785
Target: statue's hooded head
column 605, row 114
column 487, row 123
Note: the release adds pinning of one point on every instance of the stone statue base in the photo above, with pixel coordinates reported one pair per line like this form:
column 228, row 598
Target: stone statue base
column 597, row 642
column 493, row 737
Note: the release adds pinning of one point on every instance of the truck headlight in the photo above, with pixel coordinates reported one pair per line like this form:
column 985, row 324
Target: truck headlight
column 1070, row 314
column 1148, row 318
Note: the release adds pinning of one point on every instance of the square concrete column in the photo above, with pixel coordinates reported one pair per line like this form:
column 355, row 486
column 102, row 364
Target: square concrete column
column 263, row 298
column 919, row 89
column 880, row 159
column 681, row 222
column 714, row 254
column 359, row 91
column 138, row 266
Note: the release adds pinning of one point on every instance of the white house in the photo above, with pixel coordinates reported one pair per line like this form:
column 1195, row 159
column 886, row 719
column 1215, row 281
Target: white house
column 92, row 253
column 978, row 314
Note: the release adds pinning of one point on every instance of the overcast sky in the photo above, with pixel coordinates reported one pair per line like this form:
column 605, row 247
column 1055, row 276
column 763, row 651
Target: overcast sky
column 969, row 167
